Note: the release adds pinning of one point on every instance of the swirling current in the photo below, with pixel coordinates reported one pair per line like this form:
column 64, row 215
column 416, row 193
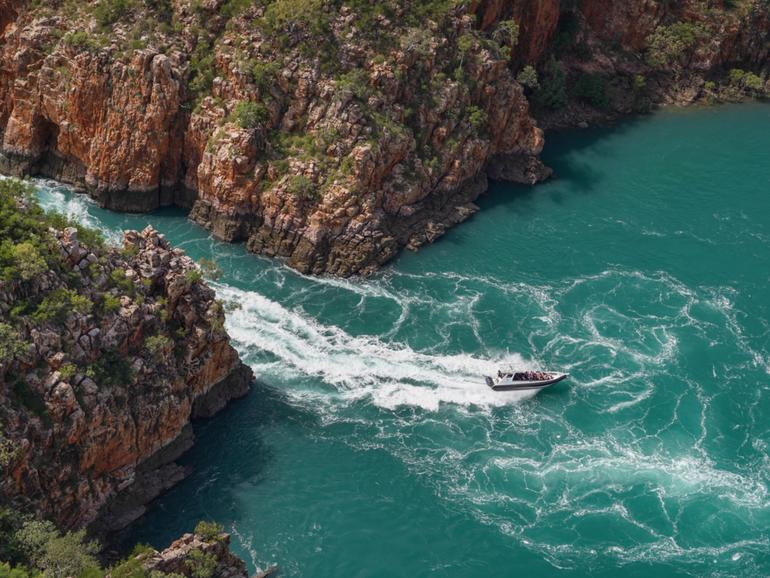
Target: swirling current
column 371, row 447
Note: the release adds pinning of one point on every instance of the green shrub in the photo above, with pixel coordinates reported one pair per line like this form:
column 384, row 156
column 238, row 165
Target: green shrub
column 528, row 77
column 209, row 531
column 201, row 564
column 736, row 76
column 301, row 186
column 552, row 92
column 508, row 32
column 157, row 345
column 110, row 303
column 36, row 549
column 202, row 70
column 417, row 40
column 8, row 452
column 133, row 566
column 119, row 280
column 753, row 83
column 477, row 117
column 436, row 10
column 356, row 81
column 81, row 40
column 507, row 36
column 264, row 74
column 248, row 115
column 112, row 369
column 57, row 555
column 193, row 276
column 163, row 8
column 8, row 571
column 60, row 303
column 746, row 81
column 67, row 371
column 86, row 235
column 27, row 247
column 11, row 345
column 108, row 12
column 668, row 45
column 10, row 549
column 307, row 13
column 592, row 89
column 129, row 251
column 28, row 260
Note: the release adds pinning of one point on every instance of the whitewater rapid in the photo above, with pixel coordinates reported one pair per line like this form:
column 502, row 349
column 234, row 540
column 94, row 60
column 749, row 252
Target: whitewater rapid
column 355, row 367
column 633, row 443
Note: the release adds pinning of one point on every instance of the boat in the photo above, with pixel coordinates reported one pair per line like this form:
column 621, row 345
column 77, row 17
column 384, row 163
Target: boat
column 511, row 380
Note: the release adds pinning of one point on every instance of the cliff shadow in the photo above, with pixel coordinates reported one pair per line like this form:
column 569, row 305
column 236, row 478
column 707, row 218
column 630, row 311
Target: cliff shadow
column 230, row 451
column 562, row 153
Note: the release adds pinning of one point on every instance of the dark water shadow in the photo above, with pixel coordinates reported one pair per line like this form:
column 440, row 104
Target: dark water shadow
column 559, row 154
column 231, row 449
column 571, row 176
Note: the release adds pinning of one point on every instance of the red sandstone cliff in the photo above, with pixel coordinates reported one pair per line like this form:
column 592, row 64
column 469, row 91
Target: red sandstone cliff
column 96, row 404
column 366, row 132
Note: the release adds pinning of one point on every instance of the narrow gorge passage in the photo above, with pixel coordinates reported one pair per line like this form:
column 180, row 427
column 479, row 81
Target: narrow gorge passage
column 365, row 444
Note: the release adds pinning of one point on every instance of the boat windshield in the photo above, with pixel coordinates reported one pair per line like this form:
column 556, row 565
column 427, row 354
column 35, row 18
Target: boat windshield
column 525, row 376
column 531, row 376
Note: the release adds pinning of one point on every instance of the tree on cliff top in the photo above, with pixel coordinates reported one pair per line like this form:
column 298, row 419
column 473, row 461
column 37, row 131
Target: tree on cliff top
column 670, row 45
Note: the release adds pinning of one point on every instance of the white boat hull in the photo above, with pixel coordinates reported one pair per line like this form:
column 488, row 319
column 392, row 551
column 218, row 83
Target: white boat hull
column 518, row 385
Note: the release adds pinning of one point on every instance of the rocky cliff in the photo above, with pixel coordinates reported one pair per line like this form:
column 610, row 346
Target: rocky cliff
column 183, row 557
column 105, row 356
column 333, row 133
column 624, row 57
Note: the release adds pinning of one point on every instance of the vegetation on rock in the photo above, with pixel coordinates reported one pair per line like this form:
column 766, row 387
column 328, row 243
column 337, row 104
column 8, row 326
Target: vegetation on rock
column 670, row 45
column 129, row 338
column 31, row 548
column 332, row 132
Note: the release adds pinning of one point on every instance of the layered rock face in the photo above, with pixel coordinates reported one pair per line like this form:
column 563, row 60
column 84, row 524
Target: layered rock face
column 332, row 133
column 178, row 559
column 650, row 52
column 537, row 23
column 737, row 31
column 104, row 361
column 347, row 161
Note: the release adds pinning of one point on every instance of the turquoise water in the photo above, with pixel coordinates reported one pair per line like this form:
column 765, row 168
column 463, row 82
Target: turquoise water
column 369, row 447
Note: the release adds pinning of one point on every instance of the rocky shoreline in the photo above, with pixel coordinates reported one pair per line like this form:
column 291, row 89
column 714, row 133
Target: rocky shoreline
column 329, row 134
column 337, row 158
column 106, row 354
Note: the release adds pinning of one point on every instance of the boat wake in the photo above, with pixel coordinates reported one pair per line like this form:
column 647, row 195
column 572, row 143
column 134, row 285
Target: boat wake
column 638, row 460
column 289, row 347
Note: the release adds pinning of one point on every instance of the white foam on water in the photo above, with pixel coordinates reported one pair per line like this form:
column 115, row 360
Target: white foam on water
column 609, row 461
column 361, row 367
column 58, row 197
column 390, row 375
column 635, row 400
column 611, row 468
column 518, row 476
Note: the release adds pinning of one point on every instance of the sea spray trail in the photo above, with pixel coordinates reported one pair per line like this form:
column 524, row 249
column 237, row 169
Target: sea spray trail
column 359, row 367
column 370, row 441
